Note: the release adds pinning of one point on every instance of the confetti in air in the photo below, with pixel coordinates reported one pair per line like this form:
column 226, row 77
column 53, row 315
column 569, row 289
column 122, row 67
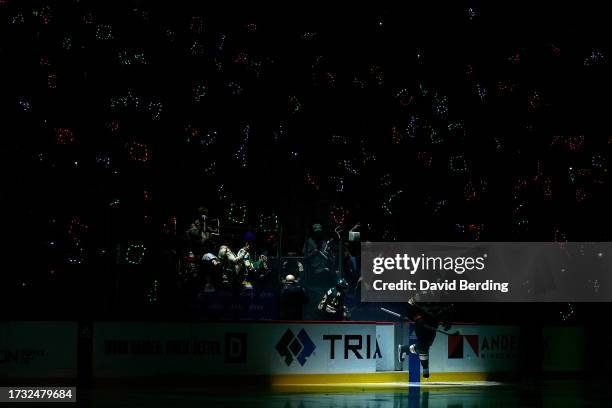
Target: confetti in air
column 64, row 136
column 387, row 205
column 242, row 152
column 237, row 213
column 134, row 116
column 104, row 32
column 135, row 253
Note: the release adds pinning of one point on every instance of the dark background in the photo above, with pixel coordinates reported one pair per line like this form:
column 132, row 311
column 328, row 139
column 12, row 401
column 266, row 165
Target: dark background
column 424, row 121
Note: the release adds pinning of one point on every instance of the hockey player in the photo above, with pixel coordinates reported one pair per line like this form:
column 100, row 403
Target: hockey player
column 229, row 266
column 427, row 317
column 212, row 271
column 252, row 268
column 332, row 305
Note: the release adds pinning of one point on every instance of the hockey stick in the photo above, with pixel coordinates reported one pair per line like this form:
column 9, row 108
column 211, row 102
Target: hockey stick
column 392, row 313
column 399, row 316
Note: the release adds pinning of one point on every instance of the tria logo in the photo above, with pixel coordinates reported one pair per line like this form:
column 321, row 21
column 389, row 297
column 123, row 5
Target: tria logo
column 455, row 344
column 298, row 347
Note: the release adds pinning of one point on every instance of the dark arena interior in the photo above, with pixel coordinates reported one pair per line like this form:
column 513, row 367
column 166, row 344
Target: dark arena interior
column 190, row 191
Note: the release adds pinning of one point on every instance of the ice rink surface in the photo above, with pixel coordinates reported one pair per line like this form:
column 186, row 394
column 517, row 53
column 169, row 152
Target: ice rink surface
column 452, row 395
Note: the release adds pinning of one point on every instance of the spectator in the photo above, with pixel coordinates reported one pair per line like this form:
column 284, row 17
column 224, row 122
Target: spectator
column 319, row 256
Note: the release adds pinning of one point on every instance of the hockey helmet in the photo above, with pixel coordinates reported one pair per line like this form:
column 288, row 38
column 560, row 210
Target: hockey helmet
column 342, row 284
